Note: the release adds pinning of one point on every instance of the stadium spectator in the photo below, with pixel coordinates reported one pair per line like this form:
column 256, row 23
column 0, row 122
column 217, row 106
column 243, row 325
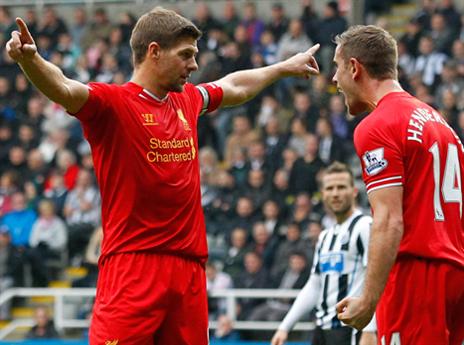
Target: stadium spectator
column 264, row 243
column 82, row 214
column 331, row 147
column 319, row 93
column 441, row 34
column 245, row 214
column 292, row 243
column 305, row 109
column 253, row 25
column 10, row 266
column 52, row 26
column 225, row 330
column 303, row 176
column 255, row 276
column 294, row 276
column 429, row 63
column 233, row 261
column 294, row 40
column 280, row 191
column 229, row 19
column 411, row 38
column 7, row 24
column 241, row 137
column 9, row 183
column 272, row 217
column 268, row 48
column 331, row 24
column 451, row 15
column 278, row 22
column 216, row 280
column 49, row 234
column 43, row 328
column 257, row 188
column 98, row 29
column 274, row 140
column 92, row 254
column 297, row 138
column 19, row 220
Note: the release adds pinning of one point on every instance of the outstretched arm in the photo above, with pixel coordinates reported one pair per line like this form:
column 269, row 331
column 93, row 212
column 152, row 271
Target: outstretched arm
column 48, row 78
column 386, row 235
column 239, row 87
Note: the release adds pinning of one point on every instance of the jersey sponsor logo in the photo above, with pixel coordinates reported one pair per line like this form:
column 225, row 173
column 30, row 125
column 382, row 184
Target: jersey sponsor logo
column 149, row 120
column 332, row 262
column 173, row 150
column 183, row 119
column 374, row 161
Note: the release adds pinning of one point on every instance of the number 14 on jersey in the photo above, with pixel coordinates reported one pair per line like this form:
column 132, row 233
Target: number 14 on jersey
column 451, row 182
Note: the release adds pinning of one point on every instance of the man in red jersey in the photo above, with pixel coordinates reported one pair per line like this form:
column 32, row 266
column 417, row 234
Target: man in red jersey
column 151, row 288
column 413, row 167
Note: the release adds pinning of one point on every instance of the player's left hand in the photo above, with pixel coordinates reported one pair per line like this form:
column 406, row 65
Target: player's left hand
column 355, row 312
column 302, row 64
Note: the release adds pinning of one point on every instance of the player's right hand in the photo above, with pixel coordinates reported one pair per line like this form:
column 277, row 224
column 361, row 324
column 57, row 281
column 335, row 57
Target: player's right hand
column 279, row 338
column 21, row 45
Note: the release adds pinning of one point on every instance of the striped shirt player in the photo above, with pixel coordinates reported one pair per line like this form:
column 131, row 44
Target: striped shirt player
column 338, row 271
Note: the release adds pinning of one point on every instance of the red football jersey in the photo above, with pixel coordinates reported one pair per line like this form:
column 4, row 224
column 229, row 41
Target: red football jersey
column 405, row 142
column 145, row 154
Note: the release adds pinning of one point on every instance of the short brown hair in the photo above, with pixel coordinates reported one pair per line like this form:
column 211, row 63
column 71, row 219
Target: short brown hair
column 373, row 47
column 163, row 26
column 337, row 168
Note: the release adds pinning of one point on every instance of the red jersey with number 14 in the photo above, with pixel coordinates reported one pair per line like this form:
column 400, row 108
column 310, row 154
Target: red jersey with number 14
column 405, row 142
column 146, row 161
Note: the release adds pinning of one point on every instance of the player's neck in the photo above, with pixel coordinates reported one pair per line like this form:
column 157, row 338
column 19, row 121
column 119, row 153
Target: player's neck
column 342, row 217
column 378, row 89
column 146, row 80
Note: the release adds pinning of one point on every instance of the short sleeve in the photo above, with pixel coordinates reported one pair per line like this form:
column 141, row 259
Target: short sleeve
column 316, row 268
column 379, row 149
column 362, row 241
column 212, row 96
column 99, row 94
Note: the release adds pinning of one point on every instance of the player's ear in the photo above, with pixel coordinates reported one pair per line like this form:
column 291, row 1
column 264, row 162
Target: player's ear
column 154, row 50
column 355, row 68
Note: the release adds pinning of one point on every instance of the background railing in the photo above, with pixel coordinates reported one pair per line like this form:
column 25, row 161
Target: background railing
column 61, row 294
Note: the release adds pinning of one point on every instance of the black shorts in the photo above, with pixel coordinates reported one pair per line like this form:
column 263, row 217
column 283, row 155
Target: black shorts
column 338, row 336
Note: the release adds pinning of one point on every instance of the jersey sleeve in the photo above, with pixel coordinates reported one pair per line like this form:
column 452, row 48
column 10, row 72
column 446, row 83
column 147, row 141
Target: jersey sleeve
column 98, row 101
column 212, row 95
column 362, row 240
column 380, row 151
column 316, row 267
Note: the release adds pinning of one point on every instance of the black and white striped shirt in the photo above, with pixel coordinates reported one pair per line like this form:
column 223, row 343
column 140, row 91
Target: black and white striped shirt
column 338, row 271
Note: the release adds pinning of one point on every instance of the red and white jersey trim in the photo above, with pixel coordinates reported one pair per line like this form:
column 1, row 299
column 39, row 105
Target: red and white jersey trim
column 385, row 182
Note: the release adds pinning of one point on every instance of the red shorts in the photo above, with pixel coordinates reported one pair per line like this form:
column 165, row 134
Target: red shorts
column 150, row 299
column 422, row 304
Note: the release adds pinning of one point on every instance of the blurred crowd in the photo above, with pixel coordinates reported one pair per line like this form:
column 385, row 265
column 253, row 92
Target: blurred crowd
column 260, row 162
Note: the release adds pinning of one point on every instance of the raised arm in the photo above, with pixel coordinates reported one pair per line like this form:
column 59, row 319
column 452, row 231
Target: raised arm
column 386, row 235
column 239, row 87
column 48, row 78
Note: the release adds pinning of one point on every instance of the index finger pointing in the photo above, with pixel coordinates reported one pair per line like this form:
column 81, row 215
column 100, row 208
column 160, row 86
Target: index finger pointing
column 313, row 49
column 25, row 34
